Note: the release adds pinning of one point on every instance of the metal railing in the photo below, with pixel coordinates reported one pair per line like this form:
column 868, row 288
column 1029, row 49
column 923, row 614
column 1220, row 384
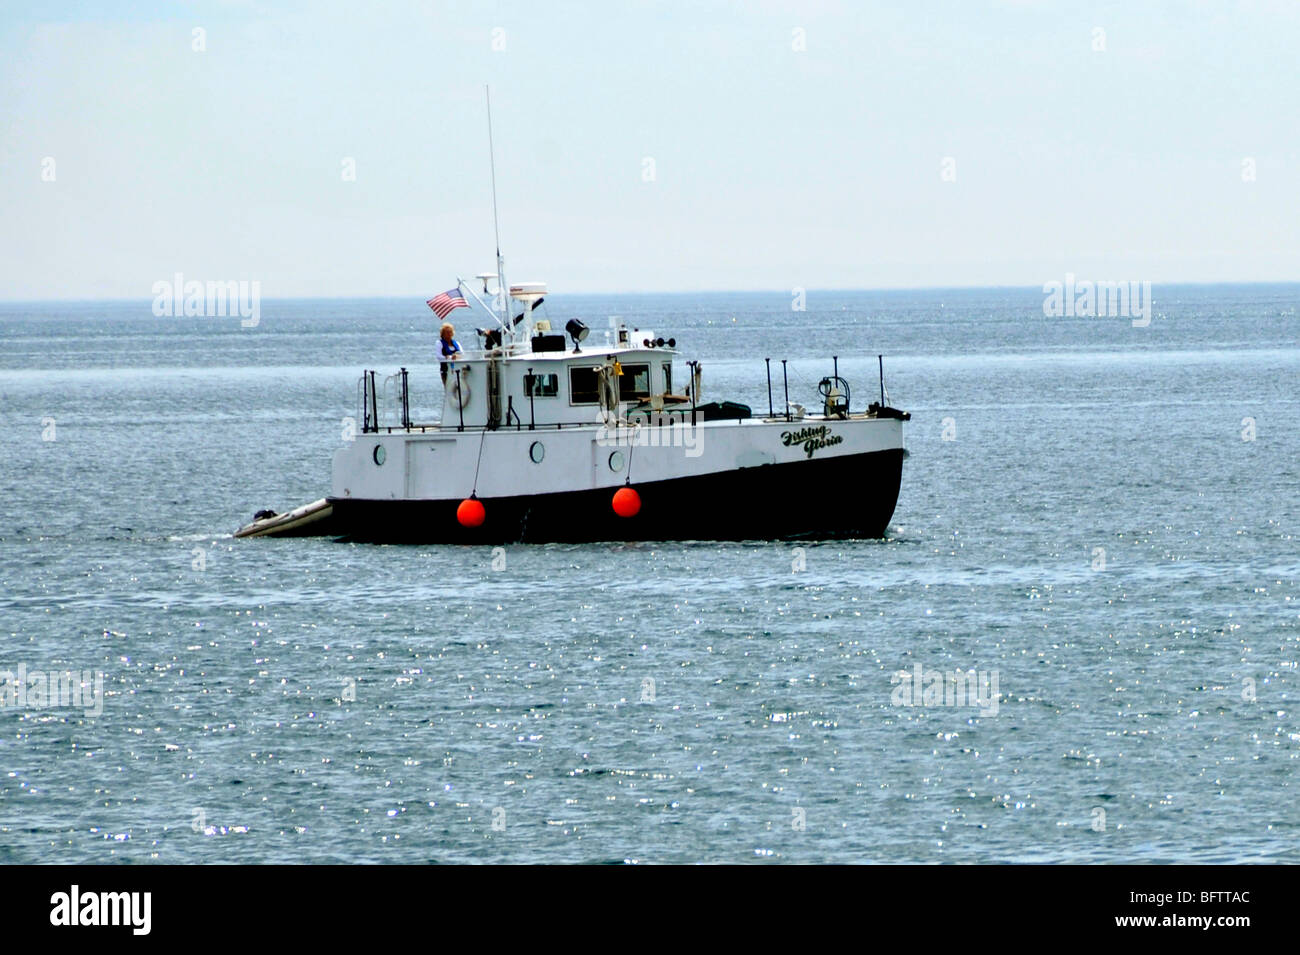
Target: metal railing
column 396, row 391
column 396, row 402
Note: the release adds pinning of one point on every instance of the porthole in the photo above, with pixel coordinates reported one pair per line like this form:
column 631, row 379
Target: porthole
column 380, row 454
column 536, row 451
column 616, row 461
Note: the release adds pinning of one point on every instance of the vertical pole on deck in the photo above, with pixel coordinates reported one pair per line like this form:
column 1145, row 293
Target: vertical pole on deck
column 881, row 359
column 532, row 387
column 365, row 402
column 374, row 403
column 460, row 400
column 406, row 402
column 691, row 365
column 768, row 363
column 785, row 381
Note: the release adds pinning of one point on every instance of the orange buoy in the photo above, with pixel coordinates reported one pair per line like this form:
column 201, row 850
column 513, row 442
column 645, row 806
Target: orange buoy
column 627, row 502
column 471, row 512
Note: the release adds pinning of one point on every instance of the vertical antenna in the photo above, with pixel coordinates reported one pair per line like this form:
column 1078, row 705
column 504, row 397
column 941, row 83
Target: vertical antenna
column 496, row 227
column 492, row 160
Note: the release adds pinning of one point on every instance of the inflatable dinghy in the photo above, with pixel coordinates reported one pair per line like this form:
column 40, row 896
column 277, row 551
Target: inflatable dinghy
column 300, row 522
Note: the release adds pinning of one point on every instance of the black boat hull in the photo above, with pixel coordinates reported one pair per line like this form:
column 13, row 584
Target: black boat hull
column 851, row 496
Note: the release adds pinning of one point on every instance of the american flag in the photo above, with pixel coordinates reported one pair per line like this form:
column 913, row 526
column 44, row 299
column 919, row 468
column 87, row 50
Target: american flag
column 448, row 300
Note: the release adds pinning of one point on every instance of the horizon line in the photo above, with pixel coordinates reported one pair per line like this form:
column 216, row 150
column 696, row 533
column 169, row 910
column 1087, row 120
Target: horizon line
column 712, row 291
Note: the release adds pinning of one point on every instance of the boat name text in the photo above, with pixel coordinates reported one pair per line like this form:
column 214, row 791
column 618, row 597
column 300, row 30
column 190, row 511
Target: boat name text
column 812, row 439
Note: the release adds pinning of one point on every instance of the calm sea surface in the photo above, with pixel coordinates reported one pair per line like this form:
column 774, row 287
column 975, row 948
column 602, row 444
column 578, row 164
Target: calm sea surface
column 1086, row 517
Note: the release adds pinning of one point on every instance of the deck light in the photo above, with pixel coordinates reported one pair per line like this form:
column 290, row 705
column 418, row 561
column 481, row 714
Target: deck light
column 578, row 331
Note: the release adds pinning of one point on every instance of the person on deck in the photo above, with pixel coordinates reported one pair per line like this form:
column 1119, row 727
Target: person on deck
column 448, row 348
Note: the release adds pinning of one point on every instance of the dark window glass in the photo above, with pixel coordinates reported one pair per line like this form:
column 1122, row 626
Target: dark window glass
column 583, row 386
column 635, row 382
column 668, row 379
column 541, row 386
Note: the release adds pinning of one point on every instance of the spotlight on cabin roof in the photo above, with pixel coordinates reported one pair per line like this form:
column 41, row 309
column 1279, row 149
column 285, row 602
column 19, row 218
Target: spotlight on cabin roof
column 577, row 330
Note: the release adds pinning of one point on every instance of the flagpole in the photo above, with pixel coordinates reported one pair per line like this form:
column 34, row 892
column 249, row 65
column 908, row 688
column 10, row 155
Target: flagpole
column 465, row 286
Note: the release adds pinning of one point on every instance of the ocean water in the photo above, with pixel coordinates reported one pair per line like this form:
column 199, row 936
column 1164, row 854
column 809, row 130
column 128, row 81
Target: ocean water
column 1099, row 519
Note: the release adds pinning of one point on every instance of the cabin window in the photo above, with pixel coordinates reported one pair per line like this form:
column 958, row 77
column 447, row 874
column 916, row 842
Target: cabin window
column 541, row 386
column 668, row 379
column 635, row 382
column 584, row 386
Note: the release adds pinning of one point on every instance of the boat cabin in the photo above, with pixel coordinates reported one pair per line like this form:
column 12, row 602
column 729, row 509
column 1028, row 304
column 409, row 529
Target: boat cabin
column 524, row 375
column 546, row 386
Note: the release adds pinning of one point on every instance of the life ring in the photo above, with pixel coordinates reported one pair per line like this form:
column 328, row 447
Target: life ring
column 458, row 388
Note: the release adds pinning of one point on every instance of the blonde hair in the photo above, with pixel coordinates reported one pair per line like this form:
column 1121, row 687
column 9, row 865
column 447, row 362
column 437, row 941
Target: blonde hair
column 446, row 327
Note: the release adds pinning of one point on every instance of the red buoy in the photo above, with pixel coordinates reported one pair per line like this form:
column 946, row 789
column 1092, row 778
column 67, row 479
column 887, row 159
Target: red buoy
column 471, row 512
column 627, row 502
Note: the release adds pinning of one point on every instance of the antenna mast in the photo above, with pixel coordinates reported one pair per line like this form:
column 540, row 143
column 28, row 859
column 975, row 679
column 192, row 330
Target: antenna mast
column 503, row 290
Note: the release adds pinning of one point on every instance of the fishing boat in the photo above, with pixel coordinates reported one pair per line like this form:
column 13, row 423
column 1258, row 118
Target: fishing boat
column 546, row 436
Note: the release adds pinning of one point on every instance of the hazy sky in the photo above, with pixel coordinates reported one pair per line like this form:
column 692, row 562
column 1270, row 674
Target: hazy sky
column 793, row 144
